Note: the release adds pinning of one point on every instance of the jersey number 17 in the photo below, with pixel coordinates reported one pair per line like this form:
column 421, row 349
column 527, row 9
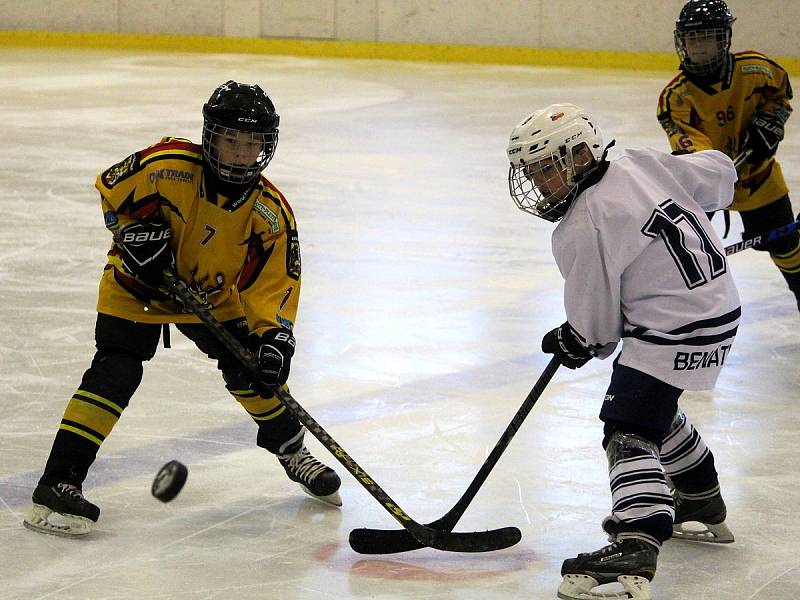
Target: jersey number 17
column 664, row 222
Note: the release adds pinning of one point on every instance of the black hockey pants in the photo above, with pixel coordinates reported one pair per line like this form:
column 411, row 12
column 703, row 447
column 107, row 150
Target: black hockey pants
column 648, row 438
column 784, row 251
column 115, row 374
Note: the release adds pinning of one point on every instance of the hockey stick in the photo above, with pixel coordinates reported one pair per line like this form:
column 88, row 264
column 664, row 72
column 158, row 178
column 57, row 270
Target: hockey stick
column 390, row 541
column 739, row 159
column 762, row 238
column 477, row 541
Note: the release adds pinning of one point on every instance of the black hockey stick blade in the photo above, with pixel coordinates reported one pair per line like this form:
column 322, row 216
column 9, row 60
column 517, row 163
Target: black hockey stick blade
column 478, row 541
column 366, row 540
column 473, row 541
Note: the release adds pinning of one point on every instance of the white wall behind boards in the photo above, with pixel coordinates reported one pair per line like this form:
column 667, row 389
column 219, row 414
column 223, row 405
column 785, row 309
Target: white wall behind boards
column 772, row 26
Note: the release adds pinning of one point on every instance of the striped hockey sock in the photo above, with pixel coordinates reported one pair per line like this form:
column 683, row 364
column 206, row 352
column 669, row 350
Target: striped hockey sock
column 686, row 459
column 639, row 493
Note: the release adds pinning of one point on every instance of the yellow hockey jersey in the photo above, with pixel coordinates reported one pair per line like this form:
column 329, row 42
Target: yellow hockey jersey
column 241, row 255
column 700, row 114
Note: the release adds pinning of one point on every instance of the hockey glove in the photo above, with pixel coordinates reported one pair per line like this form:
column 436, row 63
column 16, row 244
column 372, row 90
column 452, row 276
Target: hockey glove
column 565, row 343
column 274, row 350
column 146, row 251
column 762, row 137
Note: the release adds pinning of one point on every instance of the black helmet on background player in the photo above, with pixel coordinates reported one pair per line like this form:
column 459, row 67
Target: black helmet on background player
column 242, row 117
column 703, row 36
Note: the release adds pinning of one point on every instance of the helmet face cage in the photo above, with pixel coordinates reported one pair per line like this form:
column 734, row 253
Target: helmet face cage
column 547, row 187
column 237, row 156
column 240, row 132
column 703, row 36
column 703, row 51
column 551, row 152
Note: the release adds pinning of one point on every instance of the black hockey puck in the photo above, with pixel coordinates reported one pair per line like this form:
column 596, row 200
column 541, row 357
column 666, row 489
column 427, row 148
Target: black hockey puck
column 169, row 480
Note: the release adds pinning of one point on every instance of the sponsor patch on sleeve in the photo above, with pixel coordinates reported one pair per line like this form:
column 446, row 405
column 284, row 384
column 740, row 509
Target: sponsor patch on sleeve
column 762, row 69
column 271, row 217
column 123, row 169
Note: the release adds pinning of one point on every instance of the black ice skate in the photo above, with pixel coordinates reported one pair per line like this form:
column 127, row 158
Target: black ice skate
column 315, row 478
column 630, row 561
column 62, row 510
column 701, row 517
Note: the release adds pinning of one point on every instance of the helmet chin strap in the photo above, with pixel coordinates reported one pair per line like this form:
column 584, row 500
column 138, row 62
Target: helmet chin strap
column 573, row 179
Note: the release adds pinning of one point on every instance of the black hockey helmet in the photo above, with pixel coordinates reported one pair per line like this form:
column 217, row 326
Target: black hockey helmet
column 699, row 21
column 245, row 116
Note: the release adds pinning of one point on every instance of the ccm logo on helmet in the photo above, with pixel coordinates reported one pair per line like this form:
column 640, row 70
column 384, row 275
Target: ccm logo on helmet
column 132, row 237
column 573, row 137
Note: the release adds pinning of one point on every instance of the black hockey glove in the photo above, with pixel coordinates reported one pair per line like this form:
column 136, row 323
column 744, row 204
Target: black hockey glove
column 274, row 350
column 564, row 342
column 146, row 251
column 762, row 137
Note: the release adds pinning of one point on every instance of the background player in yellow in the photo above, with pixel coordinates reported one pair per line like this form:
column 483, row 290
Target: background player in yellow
column 737, row 103
column 205, row 212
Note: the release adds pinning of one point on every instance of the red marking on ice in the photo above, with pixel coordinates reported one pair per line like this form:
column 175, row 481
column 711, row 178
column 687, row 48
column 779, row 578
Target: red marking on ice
column 424, row 565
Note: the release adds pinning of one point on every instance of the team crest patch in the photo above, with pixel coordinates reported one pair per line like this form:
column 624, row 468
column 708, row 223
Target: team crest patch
column 110, row 219
column 121, row 170
column 270, row 216
column 293, row 256
column 757, row 69
column 284, row 322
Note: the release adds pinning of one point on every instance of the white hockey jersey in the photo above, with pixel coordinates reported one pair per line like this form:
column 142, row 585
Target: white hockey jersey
column 642, row 262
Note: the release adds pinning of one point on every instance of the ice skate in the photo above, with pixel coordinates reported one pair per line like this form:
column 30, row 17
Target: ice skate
column 61, row 510
column 316, row 479
column 701, row 517
column 629, row 561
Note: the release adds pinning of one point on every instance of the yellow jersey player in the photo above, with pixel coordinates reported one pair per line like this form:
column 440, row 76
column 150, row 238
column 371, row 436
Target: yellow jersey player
column 737, row 103
column 205, row 212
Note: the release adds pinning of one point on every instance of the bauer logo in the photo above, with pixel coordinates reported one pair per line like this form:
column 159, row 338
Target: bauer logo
column 138, row 237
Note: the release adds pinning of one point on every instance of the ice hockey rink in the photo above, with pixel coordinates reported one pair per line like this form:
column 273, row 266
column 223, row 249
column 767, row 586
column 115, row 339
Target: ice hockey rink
column 425, row 296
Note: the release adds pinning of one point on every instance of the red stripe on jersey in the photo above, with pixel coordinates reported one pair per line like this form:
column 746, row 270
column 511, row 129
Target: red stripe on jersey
column 674, row 82
column 268, row 184
column 753, row 53
column 171, row 145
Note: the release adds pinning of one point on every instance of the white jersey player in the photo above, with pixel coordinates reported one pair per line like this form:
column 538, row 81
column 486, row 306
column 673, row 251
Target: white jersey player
column 641, row 265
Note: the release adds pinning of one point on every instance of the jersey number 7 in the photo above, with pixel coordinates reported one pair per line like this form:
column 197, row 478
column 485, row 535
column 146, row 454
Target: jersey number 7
column 664, row 222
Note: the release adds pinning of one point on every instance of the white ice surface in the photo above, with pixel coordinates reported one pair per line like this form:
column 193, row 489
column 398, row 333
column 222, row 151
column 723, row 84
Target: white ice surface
column 425, row 296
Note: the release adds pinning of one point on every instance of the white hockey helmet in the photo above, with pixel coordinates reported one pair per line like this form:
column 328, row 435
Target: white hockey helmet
column 551, row 151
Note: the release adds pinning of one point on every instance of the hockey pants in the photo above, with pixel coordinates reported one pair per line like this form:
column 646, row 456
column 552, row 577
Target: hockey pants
column 648, row 438
column 115, row 374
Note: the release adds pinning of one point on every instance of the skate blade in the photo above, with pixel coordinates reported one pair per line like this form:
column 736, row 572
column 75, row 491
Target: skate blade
column 582, row 587
column 692, row 531
column 43, row 520
column 333, row 499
